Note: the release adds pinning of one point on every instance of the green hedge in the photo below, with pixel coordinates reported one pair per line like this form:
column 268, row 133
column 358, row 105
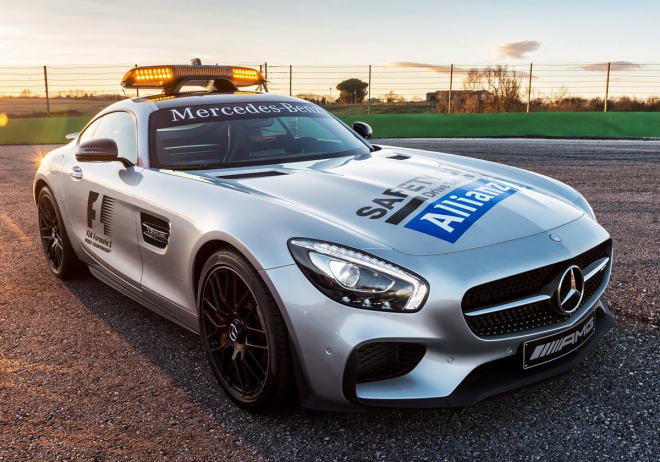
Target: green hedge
column 539, row 124
column 40, row 131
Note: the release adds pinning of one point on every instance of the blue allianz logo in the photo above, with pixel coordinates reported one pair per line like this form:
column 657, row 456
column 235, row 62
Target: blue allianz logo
column 449, row 217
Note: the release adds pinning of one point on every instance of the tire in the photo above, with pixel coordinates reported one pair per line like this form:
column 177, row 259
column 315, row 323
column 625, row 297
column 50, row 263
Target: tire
column 243, row 334
column 61, row 258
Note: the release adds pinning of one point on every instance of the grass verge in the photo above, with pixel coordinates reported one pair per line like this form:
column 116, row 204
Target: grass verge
column 541, row 124
column 40, row 131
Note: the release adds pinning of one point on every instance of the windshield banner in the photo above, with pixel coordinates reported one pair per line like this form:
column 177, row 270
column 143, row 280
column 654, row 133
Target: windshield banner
column 233, row 111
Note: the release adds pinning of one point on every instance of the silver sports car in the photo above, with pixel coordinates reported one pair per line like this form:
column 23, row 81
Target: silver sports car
column 315, row 264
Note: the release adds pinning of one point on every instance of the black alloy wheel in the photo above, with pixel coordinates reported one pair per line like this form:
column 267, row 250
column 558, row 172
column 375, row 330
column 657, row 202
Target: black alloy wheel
column 51, row 236
column 243, row 334
column 61, row 258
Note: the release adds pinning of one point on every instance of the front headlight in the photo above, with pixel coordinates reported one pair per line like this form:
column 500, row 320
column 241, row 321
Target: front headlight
column 356, row 279
column 583, row 205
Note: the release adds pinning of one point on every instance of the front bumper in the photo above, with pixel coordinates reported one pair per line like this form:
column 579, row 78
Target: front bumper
column 458, row 368
column 504, row 374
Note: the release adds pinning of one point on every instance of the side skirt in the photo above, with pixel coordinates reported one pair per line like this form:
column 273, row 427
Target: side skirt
column 188, row 321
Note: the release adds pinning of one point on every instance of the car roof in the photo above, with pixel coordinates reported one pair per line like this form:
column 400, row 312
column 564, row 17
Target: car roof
column 198, row 98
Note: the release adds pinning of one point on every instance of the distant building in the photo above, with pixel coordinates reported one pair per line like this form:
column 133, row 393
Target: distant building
column 459, row 96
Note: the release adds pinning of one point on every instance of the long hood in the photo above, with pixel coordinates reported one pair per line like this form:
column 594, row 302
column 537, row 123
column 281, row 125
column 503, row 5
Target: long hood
column 418, row 205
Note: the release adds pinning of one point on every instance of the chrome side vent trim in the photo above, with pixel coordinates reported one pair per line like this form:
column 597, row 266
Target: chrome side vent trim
column 155, row 231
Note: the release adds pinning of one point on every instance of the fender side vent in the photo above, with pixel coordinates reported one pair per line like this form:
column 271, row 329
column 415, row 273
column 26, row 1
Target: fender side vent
column 399, row 157
column 244, row 176
column 155, row 231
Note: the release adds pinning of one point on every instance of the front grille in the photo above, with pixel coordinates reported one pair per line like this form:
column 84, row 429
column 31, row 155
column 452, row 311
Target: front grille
column 510, row 288
column 592, row 286
column 386, row 360
column 532, row 316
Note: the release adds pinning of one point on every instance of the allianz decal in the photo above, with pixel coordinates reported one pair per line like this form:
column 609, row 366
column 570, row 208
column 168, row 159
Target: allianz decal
column 450, row 216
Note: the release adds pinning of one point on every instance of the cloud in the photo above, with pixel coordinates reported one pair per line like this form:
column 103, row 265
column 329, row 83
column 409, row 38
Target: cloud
column 438, row 69
column 518, row 50
column 614, row 66
column 446, row 69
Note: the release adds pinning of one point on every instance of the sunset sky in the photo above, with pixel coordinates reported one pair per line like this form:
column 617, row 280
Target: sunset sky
column 341, row 31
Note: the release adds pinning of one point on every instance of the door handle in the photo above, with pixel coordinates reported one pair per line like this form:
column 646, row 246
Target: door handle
column 76, row 173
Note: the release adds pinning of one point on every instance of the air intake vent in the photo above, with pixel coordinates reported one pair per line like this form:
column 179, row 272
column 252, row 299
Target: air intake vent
column 386, row 360
column 399, row 157
column 155, row 231
column 243, row 176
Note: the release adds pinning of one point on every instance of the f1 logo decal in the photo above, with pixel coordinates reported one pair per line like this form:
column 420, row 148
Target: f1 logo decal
column 107, row 211
column 91, row 213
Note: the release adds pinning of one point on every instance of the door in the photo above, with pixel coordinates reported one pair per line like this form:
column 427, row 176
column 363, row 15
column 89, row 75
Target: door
column 99, row 200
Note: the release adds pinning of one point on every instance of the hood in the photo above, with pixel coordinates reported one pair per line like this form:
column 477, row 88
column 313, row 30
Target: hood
column 413, row 204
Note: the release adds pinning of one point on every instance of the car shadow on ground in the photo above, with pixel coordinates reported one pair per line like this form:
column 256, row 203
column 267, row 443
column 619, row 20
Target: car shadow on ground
column 567, row 405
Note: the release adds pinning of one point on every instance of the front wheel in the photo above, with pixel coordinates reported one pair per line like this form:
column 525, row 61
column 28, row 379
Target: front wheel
column 60, row 256
column 244, row 335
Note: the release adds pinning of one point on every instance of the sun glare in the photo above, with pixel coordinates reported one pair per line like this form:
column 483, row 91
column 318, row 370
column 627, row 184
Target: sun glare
column 39, row 157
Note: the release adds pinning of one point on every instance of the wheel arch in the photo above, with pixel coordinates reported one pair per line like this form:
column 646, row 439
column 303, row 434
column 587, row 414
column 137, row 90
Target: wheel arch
column 203, row 254
column 38, row 186
column 211, row 246
column 208, row 248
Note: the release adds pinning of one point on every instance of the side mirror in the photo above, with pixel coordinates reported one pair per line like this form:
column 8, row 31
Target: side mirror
column 100, row 150
column 362, row 129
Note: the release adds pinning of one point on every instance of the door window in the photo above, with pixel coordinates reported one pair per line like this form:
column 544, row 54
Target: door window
column 120, row 126
column 89, row 131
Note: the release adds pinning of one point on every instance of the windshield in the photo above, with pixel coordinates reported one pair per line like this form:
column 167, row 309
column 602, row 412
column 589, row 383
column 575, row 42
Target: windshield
column 237, row 134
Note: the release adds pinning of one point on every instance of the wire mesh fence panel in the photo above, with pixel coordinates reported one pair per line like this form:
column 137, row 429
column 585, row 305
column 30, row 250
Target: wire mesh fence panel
column 403, row 87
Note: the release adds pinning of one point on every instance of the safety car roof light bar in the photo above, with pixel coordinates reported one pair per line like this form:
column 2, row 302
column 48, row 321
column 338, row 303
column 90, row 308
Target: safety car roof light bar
column 170, row 78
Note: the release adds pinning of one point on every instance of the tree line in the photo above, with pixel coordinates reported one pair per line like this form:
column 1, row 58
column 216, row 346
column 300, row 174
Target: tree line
column 489, row 90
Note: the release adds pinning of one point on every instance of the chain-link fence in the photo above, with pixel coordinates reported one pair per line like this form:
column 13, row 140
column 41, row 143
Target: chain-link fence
column 368, row 89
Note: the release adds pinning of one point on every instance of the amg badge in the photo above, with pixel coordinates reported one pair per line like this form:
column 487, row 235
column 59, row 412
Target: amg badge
column 555, row 346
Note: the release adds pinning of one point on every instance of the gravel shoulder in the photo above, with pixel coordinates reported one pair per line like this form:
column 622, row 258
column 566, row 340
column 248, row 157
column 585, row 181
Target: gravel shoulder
column 87, row 374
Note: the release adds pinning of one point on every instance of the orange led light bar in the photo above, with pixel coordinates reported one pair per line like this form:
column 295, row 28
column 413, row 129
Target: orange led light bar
column 170, row 77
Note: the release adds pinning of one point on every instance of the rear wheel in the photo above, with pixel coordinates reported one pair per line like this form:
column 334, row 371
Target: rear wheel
column 60, row 256
column 244, row 335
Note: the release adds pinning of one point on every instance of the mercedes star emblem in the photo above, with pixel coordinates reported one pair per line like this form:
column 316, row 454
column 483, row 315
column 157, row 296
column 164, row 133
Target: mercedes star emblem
column 570, row 290
column 554, row 238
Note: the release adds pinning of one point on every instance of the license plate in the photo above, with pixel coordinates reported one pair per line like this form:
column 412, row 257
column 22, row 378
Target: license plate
column 546, row 349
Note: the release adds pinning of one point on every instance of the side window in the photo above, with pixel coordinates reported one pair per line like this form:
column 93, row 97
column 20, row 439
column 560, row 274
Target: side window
column 120, row 126
column 89, row 131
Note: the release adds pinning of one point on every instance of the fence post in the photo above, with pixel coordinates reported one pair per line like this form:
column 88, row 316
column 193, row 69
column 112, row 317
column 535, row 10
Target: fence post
column 266, row 76
column 529, row 87
column 607, row 88
column 290, row 80
column 369, row 93
column 47, row 97
column 451, row 82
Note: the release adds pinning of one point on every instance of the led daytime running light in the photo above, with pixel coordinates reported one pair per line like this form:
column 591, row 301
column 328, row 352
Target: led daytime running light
column 331, row 250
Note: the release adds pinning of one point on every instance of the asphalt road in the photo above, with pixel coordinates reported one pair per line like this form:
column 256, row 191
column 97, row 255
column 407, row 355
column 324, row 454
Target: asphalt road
column 85, row 373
